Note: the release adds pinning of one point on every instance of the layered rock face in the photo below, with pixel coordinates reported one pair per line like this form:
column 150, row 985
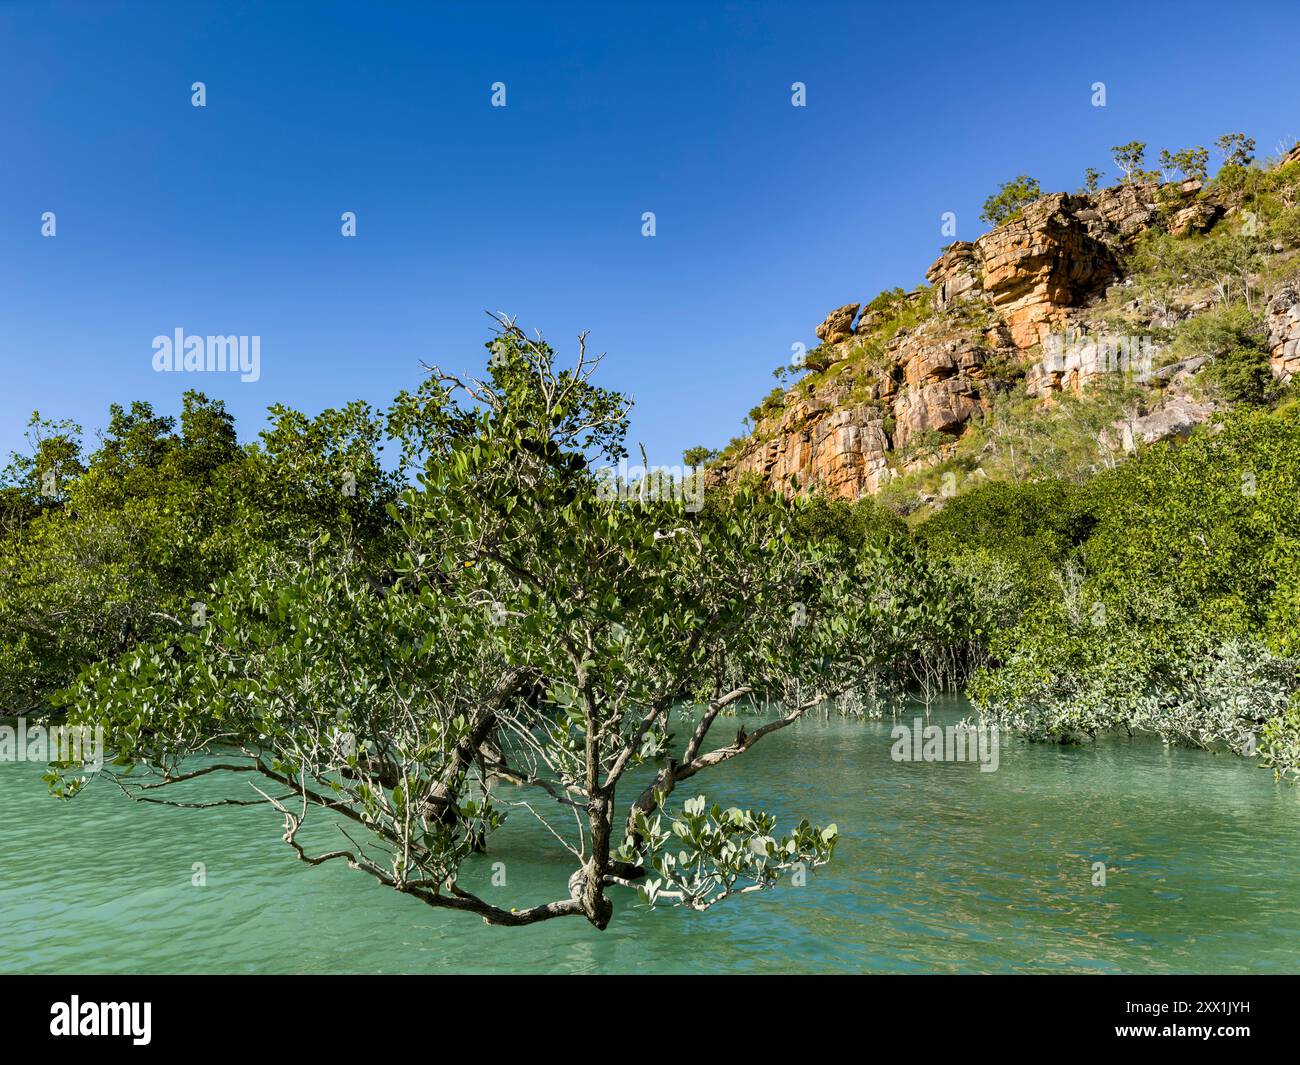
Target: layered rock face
column 838, row 437
column 841, row 448
column 1003, row 308
column 1071, row 362
column 940, row 368
column 956, row 275
column 1284, row 333
column 1064, row 250
column 1044, row 262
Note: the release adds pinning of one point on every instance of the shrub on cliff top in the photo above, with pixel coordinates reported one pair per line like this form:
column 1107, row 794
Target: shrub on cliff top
column 1010, row 199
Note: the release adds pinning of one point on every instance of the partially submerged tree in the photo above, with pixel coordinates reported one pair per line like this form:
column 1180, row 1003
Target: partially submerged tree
column 531, row 649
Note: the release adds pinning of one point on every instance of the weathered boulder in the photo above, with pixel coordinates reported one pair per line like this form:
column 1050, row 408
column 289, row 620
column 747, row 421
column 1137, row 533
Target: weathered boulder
column 1175, row 418
column 955, row 275
column 1117, row 215
column 1196, row 218
column 838, row 324
column 934, row 352
column 1175, row 373
column 938, row 365
column 1060, row 252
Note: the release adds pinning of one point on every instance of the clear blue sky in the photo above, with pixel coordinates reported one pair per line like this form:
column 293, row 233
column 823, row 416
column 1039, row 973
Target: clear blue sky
column 225, row 219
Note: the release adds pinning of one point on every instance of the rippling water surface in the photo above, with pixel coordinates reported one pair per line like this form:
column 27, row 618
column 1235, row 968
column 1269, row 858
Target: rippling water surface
column 941, row 868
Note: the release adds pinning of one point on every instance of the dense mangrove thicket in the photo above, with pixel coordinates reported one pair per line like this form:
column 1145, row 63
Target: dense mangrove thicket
column 420, row 648
column 1159, row 596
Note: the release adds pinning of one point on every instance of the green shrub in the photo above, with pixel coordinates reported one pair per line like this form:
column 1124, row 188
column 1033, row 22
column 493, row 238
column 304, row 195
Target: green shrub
column 1243, row 375
column 1233, row 338
column 1010, row 199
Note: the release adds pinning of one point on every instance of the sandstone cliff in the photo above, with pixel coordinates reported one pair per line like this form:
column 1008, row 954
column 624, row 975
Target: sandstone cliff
column 1018, row 312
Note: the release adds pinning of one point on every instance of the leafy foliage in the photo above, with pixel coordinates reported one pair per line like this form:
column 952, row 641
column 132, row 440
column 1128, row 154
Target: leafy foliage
column 101, row 556
column 724, row 852
column 1129, row 160
column 501, row 633
column 1010, row 198
column 1190, row 162
column 1175, row 612
column 1237, row 148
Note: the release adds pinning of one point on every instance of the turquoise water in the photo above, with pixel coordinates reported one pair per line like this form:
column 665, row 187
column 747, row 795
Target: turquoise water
column 941, row 868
